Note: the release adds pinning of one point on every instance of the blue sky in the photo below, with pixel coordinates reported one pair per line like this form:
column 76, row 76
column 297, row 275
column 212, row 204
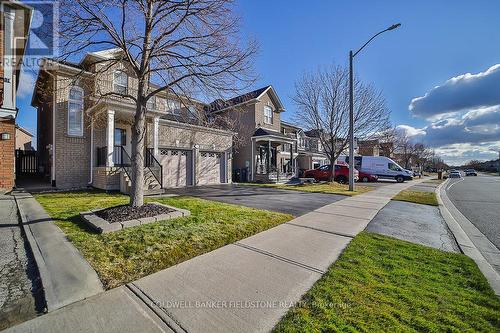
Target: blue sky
column 438, row 40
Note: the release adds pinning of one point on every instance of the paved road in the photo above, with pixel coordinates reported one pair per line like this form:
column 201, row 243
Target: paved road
column 478, row 198
column 284, row 201
column 21, row 296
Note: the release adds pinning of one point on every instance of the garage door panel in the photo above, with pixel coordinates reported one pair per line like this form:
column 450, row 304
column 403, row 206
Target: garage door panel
column 209, row 171
column 176, row 167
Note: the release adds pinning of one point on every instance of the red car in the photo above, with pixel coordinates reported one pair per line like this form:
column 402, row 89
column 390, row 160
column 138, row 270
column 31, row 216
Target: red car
column 367, row 177
column 325, row 172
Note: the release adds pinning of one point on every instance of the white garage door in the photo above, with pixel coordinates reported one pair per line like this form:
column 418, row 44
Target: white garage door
column 211, row 168
column 177, row 167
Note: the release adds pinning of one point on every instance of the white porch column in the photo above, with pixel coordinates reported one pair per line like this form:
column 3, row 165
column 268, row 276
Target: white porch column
column 252, row 161
column 269, row 156
column 9, row 100
column 110, row 140
column 156, row 133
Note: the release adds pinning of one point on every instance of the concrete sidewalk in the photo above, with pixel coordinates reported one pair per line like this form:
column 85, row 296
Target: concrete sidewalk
column 66, row 276
column 242, row 287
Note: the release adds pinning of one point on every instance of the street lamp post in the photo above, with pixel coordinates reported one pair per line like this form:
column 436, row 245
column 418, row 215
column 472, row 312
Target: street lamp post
column 351, row 104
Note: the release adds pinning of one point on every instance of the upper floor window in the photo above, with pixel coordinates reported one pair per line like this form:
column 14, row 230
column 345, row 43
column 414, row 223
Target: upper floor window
column 268, row 115
column 75, row 111
column 173, row 107
column 151, row 103
column 120, row 82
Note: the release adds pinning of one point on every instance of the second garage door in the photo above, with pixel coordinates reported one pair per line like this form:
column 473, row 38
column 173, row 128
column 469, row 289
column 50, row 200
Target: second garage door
column 211, row 168
column 177, row 167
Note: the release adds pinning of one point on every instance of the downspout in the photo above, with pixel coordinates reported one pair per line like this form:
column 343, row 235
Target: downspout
column 54, row 104
column 91, row 150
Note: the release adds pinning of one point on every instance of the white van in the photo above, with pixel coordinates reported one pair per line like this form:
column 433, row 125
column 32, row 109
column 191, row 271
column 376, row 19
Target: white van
column 381, row 166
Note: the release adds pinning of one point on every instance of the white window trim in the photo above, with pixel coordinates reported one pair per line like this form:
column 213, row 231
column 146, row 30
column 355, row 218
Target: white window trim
column 152, row 103
column 75, row 101
column 266, row 117
column 115, row 83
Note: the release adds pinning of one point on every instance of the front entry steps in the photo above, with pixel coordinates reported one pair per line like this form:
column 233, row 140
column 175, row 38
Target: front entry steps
column 151, row 185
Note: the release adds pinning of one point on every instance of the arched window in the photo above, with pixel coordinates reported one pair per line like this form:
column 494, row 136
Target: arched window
column 75, row 111
column 120, row 82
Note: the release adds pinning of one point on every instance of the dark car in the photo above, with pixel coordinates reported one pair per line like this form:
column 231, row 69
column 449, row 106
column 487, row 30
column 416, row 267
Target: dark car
column 367, row 177
column 325, row 173
column 470, row 172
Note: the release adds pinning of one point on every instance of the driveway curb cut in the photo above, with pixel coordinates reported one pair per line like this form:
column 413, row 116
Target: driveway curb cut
column 465, row 244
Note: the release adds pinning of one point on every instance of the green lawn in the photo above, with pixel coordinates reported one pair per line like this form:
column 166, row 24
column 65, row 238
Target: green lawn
column 381, row 284
column 129, row 254
column 420, row 197
column 330, row 188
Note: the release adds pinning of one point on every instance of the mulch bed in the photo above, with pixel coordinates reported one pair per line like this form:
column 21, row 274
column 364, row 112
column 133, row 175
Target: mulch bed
column 126, row 213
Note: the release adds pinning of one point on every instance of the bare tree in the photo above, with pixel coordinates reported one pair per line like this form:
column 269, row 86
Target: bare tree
column 181, row 47
column 322, row 100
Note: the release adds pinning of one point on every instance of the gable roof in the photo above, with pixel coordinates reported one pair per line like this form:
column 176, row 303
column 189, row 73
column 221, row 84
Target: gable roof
column 220, row 104
column 24, row 130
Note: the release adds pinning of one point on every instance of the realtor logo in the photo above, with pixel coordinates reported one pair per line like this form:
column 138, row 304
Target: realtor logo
column 42, row 40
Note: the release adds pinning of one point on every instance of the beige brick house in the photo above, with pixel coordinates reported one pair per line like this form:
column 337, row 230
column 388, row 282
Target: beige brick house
column 84, row 139
column 269, row 149
column 15, row 19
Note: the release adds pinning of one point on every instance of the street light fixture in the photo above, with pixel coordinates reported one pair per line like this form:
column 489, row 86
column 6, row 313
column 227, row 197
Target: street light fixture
column 351, row 105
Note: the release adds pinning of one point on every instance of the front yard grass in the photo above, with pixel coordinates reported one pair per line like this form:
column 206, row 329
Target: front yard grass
column 129, row 254
column 327, row 187
column 381, row 284
column 420, row 197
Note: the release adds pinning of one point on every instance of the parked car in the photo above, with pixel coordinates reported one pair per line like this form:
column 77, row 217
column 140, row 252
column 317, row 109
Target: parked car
column 455, row 174
column 470, row 172
column 381, row 166
column 325, row 172
column 367, row 177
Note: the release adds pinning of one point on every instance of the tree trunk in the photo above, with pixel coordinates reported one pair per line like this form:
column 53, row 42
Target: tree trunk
column 332, row 165
column 138, row 137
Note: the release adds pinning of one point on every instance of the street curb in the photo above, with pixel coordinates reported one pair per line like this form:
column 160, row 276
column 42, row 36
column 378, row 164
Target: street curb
column 45, row 281
column 52, row 282
column 465, row 244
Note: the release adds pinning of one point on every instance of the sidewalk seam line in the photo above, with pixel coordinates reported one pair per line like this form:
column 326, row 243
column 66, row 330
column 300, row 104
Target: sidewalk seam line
column 275, row 256
column 156, row 309
column 353, row 217
column 321, row 230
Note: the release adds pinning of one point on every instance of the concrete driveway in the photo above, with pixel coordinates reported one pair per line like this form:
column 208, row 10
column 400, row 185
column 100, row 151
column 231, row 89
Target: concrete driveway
column 284, row 201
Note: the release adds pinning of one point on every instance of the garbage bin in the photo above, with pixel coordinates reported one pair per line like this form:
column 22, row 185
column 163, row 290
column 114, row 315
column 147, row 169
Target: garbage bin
column 440, row 174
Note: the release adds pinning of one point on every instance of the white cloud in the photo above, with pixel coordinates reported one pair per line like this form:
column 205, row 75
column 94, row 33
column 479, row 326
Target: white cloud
column 463, row 117
column 467, row 91
column 411, row 131
column 457, row 154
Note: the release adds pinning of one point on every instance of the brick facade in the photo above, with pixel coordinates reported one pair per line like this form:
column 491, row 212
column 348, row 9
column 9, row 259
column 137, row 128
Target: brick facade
column 7, row 155
column 73, row 153
column 1, row 58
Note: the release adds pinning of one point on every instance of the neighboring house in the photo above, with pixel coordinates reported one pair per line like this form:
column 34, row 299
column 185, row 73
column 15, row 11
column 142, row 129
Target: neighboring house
column 387, row 149
column 84, row 139
column 369, row 147
column 260, row 155
column 269, row 149
column 15, row 21
column 310, row 153
column 24, row 139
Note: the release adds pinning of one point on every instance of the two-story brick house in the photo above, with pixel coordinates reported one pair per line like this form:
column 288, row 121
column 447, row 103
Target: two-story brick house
column 270, row 149
column 15, row 19
column 84, row 139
